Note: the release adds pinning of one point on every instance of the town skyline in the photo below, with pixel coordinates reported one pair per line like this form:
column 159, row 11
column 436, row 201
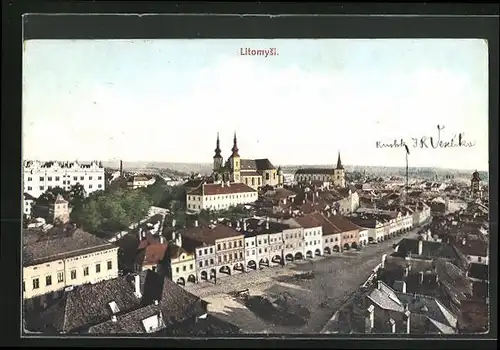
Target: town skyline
column 108, row 100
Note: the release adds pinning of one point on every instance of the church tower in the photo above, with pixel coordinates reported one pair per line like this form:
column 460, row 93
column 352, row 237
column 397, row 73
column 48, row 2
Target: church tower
column 217, row 157
column 339, row 174
column 235, row 161
column 474, row 184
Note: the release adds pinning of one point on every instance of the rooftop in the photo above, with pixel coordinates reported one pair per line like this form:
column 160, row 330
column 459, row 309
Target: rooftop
column 210, row 233
column 60, row 242
column 221, row 189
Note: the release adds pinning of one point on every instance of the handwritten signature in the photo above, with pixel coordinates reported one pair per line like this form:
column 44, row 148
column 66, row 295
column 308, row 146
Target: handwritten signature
column 457, row 140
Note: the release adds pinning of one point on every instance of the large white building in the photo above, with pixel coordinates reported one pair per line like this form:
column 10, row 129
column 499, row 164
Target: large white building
column 39, row 177
column 219, row 196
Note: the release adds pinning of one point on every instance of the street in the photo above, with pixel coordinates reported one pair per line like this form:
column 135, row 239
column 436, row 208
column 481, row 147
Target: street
column 336, row 276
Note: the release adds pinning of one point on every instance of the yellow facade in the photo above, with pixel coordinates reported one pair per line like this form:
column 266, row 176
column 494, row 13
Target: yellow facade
column 58, row 274
column 184, row 268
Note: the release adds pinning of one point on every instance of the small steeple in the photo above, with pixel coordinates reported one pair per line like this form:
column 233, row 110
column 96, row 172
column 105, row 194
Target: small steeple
column 217, row 148
column 235, row 146
column 339, row 163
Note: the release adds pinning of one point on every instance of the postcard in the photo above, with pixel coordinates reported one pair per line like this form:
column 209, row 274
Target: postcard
column 221, row 187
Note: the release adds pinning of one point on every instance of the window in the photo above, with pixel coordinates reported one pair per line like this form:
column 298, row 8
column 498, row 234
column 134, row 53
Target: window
column 253, row 181
column 240, row 243
column 201, row 264
column 50, row 178
column 24, row 287
column 36, row 283
column 110, row 265
column 211, row 250
column 97, row 268
column 267, row 176
column 190, row 266
column 260, row 250
column 60, row 277
column 81, row 177
column 230, row 245
column 41, row 178
column 99, row 178
column 479, row 259
column 184, row 268
column 29, row 178
column 86, row 271
column 212, row 261
column 90, row 177
column 224, row 245
column 57, row 178
column 225, row 258
column 247, row 244
column 29, row 188
column 176, row 269
column 218, row 246
column 75, row 178
column 90, row 186
column 241, row 255
column 99, row 186
column 41, row 188
column 48, row 280
column 73, row 274
column 219, row 259
column 205, row 251
column 206, row 262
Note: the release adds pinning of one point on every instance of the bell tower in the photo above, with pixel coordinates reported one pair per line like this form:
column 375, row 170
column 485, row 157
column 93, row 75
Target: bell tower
column 217, row 157
column 339, row 174
column 235, row 161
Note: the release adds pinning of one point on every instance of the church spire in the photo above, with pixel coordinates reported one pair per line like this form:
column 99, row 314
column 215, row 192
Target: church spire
column 217, row 148
column 339, row 163
column 235, row 146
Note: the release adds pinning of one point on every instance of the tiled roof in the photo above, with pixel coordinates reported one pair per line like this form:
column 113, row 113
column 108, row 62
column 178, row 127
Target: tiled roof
column 209, row 326
column 60, row 242
column 473, row 248
column 219, row 189
column 28, row 197
column 430, row 249
column 154, row 253
column 256, row 164
column 314, row 171
column 342, row 223
column 174, row 251
column 88, row 304
column 60, row 200
column 478, row 271
column 209, row 234
column 308, row 221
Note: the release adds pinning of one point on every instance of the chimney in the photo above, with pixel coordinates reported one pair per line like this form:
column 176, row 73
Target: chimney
column 406, row 271
column 267, row 223
column 420, row 247
column 139, row 233
column 174, row 222
column 162, row 239
column 379, row 284
column 137, row 285
column 403, row 287
column 384, row 259
column 244, row 225
column 195, row 223
column 328, row 214
column 121, row 167
column 222, row 184
column 156, row 302
column 370, row 319
column 237, row 224
column 392, row 323
column 229, row 224
column 159, row 318
column 113, row 318
column 228, row 184
column 334, row 212
column 178, row 241
column 463, row 241
column 143, row 234
column 421, row 277
column 304, row 201
column 406, row 319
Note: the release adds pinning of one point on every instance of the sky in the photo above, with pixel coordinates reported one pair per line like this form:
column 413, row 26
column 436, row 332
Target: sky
column 166, row 100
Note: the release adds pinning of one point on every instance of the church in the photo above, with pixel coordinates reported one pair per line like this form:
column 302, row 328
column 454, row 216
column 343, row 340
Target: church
column 256, row 173
column 336, row 176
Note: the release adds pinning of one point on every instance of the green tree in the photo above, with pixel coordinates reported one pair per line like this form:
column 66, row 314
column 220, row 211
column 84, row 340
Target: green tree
column 77, row 195
column 90, row 216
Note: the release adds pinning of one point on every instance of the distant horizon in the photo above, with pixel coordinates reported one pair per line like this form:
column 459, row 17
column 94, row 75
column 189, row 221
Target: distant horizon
column 276, row 165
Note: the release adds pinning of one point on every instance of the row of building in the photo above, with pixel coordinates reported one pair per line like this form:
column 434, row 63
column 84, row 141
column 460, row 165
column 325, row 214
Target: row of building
column 204, row 251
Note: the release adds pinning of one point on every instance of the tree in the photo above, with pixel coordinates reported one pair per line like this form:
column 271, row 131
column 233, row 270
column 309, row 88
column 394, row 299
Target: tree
column 50, row 195
column 77, row 195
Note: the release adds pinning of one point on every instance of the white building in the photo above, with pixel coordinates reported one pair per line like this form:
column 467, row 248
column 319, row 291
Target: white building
column 39, row 177
column 363, row 236
column 313, row 235
column 140, row 181
column 250, row 252
column 219, row 196
column 28, row 202
column 350, row 203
